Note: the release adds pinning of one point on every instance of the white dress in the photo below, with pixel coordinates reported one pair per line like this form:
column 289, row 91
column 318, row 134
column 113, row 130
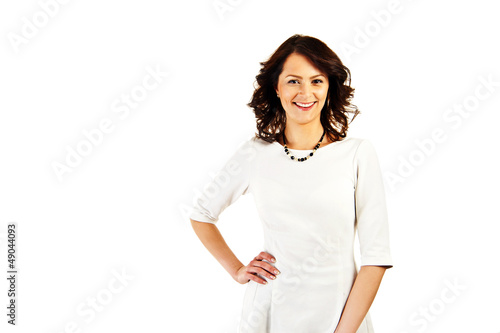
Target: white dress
column 310, row 212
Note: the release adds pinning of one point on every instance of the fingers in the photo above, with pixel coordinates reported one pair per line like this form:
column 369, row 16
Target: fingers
column 256, row 278
column 263, row 268
column 265, row 265
column 262, row 272
column 265, row 256
column 258, row 268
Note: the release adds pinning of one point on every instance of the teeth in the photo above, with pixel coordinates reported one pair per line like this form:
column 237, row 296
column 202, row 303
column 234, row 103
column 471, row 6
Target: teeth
column 304, row 105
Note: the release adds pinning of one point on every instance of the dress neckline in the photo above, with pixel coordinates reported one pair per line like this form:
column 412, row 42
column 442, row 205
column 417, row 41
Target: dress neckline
column 321, row 147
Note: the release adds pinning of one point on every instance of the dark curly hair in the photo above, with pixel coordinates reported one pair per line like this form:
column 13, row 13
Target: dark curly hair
column 270, row 115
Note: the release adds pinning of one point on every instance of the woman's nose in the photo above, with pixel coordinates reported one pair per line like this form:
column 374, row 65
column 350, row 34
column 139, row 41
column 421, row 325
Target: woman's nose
column 305, row 90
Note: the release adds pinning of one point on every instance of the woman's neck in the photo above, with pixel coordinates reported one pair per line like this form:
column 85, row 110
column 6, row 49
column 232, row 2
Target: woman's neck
column 304, row 137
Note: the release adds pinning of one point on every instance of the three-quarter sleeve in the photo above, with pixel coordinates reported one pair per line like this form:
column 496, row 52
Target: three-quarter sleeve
column 371, row 210
column 230, row 182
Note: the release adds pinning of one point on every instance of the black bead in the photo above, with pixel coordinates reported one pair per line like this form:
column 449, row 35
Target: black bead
column 311, row 154
column 292, row 157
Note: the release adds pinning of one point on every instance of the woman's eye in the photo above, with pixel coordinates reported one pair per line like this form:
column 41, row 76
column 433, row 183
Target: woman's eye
column 318, row 81
column 293, row 81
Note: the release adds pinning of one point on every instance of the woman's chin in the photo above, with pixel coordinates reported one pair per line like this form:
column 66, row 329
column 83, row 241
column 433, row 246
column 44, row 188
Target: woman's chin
column 303, row 119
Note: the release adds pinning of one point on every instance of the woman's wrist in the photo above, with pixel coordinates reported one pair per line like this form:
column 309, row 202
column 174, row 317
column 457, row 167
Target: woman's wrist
column 234, row 268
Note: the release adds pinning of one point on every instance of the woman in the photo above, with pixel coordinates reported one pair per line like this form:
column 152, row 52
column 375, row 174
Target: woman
column 313, row 188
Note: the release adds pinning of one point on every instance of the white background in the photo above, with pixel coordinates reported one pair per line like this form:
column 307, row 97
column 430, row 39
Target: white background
column 124, row 207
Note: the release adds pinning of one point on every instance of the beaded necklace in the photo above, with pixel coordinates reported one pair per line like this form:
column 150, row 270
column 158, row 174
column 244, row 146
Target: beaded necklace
column 302, row 159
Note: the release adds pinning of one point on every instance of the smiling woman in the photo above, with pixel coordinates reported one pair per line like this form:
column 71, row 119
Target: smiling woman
column 300, row 94
column 305, row 278
column 303, row 70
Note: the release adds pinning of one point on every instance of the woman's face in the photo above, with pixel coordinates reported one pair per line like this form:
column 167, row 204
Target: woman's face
column 302, row 89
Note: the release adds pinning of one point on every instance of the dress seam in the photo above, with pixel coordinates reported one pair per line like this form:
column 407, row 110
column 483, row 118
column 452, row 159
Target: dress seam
column 354, row 166
column 252, row 164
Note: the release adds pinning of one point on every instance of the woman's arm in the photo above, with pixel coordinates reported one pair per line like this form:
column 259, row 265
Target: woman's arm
column 210, row 236
column 360, row 298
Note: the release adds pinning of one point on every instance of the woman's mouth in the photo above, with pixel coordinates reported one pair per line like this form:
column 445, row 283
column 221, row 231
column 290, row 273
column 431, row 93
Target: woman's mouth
column 304, row 106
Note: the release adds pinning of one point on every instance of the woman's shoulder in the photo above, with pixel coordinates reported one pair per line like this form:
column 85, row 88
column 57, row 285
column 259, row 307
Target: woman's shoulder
column 258, row 142
column 349, row 142
column 355, row 146
column 356, row 141
column 363, row 148
column 251, row 146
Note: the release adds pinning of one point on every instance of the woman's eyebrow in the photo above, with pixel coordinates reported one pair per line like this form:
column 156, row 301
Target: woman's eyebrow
column 300, row 77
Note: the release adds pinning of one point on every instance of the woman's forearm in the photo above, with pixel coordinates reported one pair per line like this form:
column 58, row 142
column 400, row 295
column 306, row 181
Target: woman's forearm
column 212, row 239
column 360, row 298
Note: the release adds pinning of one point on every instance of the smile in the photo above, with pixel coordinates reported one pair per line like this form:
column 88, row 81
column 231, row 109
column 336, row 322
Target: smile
column 304, row 106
